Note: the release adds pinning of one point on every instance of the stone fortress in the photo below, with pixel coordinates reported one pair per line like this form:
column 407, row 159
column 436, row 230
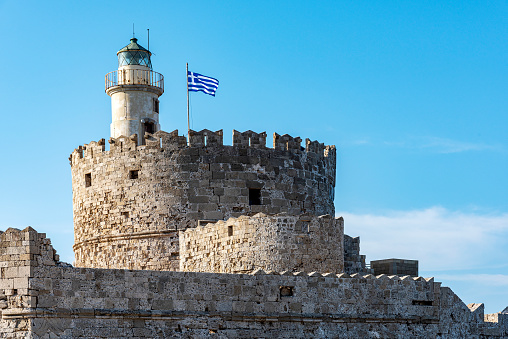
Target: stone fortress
column 185, row 237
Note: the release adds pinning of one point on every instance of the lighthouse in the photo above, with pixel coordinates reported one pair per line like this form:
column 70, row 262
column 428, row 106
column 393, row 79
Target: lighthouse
column 134, row 90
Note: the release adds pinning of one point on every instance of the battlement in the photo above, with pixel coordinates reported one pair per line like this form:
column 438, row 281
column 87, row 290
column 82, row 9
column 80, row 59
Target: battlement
column 287, row 143
column 249, row 138
column 205, row 138
column 381, row 277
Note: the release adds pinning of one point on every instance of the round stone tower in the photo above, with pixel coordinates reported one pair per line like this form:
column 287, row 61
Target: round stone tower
column 134, row 90
column 131, row 201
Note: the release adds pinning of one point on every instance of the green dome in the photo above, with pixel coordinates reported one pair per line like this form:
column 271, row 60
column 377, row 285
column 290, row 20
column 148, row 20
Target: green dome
column 134, row 46
column 134, row 54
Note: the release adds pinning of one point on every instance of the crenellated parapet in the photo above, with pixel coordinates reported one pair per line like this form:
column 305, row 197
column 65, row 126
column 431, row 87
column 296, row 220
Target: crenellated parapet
column 314, row 147
column 249, row 138
column 123, row 143
column 165, row 140
column 206, row 138
column 96, row 147
column 330, row 152
column 358, row 276
column 287, row 143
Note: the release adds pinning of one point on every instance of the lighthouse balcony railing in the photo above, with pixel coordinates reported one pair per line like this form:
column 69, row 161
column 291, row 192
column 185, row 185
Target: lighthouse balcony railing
column 134, row 77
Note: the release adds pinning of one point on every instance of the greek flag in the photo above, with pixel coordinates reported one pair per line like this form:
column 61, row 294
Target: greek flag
column 201, row 83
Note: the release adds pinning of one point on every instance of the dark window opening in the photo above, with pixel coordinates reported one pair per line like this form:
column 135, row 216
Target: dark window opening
column 254, row 196
column 88, row 179
column 422, row 302
column 230, row 231
column 305, row 226
column 286, row 291
column 149, row 127
column 125, row 214
column 155, row 105
column 134, row 174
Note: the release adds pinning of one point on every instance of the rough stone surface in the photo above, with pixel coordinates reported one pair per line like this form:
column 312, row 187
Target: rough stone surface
column 273, row 243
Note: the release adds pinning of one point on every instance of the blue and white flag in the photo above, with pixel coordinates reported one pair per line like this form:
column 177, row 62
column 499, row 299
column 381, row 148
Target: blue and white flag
column 201, row 83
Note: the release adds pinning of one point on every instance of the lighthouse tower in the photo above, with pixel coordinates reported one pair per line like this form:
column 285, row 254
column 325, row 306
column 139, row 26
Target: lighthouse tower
column 134, row 90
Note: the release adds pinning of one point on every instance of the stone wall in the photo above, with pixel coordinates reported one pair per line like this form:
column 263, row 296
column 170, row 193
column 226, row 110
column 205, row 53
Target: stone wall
column 279, row 242
column 47, row 299
column 150, row 250
column 149, row 192
column 354, row 262
column 23, row 255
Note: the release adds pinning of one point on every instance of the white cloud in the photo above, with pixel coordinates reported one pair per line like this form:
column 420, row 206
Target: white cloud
column 443, row 145
column 440, row 239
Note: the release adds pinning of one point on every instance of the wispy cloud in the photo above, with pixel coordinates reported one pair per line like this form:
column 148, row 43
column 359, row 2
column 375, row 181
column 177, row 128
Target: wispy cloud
column 443, row 145
column 440, row 239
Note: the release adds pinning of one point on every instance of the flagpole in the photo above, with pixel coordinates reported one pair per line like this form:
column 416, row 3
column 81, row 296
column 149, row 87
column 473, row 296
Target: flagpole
column 188, row 120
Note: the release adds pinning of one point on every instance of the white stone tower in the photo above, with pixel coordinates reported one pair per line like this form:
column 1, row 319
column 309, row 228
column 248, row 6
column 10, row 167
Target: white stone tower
column 134, row 90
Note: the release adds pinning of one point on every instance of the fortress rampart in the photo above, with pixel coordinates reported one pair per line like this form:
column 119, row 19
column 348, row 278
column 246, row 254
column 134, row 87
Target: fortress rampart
column 129, row 202
column 41, row 297
column 280, row 242
column 181, row 237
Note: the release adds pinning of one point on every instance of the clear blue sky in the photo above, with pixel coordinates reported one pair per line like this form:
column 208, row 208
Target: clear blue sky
column 413, row 94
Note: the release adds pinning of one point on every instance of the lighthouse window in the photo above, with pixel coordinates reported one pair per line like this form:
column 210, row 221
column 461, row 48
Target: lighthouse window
column 134, row 58
column 155, row 105
column 254, row 196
